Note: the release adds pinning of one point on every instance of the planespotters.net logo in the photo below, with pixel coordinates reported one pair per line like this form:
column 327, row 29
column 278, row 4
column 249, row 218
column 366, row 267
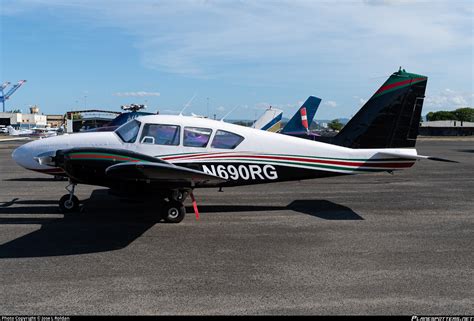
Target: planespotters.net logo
column 417, row 318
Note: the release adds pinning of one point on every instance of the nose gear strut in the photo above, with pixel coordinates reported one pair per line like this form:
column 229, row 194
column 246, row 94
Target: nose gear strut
column 69, row 202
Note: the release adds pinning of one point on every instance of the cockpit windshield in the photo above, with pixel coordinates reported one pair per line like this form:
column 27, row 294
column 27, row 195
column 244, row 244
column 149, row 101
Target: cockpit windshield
column 129, row 131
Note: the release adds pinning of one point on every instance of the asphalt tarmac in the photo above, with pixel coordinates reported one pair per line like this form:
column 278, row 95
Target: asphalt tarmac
column 366, row 244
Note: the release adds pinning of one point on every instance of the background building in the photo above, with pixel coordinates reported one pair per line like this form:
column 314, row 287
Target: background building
column 446, row 128
column 54, row 121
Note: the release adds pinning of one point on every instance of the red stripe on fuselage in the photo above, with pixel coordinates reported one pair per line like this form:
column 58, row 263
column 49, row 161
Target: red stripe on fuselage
column 299, row 159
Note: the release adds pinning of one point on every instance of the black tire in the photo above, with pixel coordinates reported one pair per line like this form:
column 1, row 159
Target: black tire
column 179, row 195
column 173, row 212
column 69, row 206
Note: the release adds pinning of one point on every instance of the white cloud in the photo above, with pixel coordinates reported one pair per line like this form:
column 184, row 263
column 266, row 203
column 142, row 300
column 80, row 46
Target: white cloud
column 262, row 105
column 385, row 2
column 285, row 43
column 202, row 38
column 448, row 99
column 286, row 107
column 221, row 108
column 330, row 103
column 137, row 94
column 169, row 112
column 361, row 101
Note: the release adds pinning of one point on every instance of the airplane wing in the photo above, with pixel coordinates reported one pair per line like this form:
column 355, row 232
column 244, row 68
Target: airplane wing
column 164, row 172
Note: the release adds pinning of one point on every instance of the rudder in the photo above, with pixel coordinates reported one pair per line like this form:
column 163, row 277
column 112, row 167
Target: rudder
column 391, row 117
column 295, row 124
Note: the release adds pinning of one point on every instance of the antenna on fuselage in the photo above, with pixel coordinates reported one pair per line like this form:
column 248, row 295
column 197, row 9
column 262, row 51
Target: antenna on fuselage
column 187, row 104
column 230, row 112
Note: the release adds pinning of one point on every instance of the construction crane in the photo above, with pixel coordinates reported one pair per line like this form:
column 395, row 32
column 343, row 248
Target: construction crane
column 6, row 96
column 4, row 85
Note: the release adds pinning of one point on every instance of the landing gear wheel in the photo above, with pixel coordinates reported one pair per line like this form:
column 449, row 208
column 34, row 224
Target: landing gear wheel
column 68, row 204
column 173, row 212
column 179, row 195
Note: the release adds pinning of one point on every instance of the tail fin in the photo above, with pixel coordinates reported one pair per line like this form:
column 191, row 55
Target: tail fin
column 270, row 120
column 391, row 117
column 12, row 131
column 298, row 123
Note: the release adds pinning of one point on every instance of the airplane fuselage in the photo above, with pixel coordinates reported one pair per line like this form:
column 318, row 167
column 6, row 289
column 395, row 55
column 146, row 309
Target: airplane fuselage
column 204, row 145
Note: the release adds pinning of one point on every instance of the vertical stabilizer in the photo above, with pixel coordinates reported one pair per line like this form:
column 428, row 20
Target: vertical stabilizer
column 391, row 117
column 270, row 120
column 302, row 119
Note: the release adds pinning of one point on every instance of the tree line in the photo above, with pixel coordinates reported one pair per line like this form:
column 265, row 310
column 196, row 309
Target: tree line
column 461, row 114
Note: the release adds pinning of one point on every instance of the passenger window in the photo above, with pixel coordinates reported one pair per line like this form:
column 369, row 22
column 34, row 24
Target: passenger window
column 196, row 137
column 160, row 134
column 226, row 140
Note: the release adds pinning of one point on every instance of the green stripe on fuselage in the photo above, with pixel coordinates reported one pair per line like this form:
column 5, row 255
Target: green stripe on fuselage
column 106, row 154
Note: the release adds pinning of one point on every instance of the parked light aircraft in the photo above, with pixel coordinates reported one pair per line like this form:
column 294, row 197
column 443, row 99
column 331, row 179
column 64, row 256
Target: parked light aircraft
column 18, row 132
column 299, row 124
column 270, row 120
column 36, row 131
column 165, row 157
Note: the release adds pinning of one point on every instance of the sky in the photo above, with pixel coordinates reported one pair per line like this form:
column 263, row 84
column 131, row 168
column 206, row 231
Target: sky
column 214, row 56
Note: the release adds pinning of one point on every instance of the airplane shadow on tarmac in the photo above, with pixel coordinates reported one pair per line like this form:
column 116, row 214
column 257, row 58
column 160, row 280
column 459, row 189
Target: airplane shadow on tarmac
column 107, row 225
column 33, row 179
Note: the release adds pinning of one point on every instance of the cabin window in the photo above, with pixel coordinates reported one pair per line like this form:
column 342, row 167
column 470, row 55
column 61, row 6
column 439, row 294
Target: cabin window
column 158, row 134
column 129, row 131
column 196, row 137
column 226, row 140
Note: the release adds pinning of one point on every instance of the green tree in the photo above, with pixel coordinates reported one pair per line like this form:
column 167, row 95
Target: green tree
column 335, row 125
column 441, row 115
column 464, row 114
column 429, row 116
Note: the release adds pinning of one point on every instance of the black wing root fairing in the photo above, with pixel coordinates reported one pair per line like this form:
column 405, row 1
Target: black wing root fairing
column 127, row 170
column 162, row 173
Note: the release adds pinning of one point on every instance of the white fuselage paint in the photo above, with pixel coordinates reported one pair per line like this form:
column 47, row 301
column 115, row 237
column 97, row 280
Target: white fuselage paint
column 256, row 142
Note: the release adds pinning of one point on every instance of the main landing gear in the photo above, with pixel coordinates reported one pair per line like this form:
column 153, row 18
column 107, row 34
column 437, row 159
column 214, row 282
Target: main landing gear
column 69, row 203
column 172, row 207
column 173, row 210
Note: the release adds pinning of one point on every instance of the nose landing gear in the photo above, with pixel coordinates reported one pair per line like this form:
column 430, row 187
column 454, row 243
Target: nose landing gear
column 69, row 203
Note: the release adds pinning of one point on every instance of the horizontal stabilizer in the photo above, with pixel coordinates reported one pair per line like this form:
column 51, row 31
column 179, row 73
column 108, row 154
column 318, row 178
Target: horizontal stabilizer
column 415, row 156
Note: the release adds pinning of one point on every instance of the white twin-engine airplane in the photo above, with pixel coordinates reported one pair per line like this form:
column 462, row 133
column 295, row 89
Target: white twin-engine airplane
column 165, row 157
